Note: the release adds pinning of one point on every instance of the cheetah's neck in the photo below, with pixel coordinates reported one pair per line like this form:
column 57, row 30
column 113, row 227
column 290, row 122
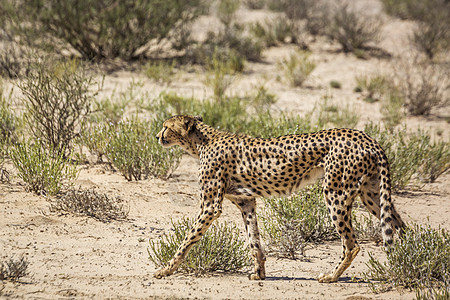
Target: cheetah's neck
column 201, row 137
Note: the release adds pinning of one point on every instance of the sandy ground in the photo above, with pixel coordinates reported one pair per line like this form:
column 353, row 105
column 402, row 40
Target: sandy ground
column 77, row 257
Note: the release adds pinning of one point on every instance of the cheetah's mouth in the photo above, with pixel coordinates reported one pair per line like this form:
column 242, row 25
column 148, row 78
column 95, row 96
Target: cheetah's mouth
column 163, row 141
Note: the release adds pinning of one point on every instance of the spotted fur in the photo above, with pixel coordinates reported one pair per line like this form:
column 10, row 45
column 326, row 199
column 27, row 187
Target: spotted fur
column 242, row 168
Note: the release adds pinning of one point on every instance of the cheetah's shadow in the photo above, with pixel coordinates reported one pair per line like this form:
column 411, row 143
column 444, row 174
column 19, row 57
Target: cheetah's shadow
column 289, row 278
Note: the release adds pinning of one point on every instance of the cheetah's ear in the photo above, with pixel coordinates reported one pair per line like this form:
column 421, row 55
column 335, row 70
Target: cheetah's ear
column 189, row 125
column 198, row 118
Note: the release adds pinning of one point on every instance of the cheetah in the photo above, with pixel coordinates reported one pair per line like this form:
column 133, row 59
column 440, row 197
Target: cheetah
column 242, row 168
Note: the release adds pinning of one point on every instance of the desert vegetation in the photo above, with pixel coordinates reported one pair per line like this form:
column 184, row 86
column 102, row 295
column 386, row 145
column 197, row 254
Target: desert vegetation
column 86, row 86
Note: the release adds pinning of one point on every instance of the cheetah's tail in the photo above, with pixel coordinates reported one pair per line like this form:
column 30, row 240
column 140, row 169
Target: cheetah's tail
column 390, row 219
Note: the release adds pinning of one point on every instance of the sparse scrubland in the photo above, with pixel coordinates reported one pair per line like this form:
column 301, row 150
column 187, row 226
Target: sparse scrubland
column 86, row 86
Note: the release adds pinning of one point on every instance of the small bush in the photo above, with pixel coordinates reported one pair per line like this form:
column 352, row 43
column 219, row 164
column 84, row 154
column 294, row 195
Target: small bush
column 353, row 30
column 262, row 99
column 313, row 14
column 275, row 31
column 317, row 17
column 8, row 122
column 373, row 86
column 335, row 84
column 220, row 74
column 220, row 249
column 13, row 62
column 436, row 161
column 289, row 224
column 57, row 96
column 43, row 171
column 297, row 68
column 421, row 259
column 424, row 86
column 392, row 108
column 14, row 269
column 4, row 174
column 226, row 12
column 160, row 71
column 255, row 4
column 276, row 5
column 135, row 152
column 432, row 37
column 91, row 203
column 442, row 293
column 96, row 138
column 233, row 40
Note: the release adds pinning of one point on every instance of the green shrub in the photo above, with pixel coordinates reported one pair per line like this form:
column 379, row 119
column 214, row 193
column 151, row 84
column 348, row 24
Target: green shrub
column 435, row 162
column 273, row 31
column 232, row 115
column 90, row 203
column 226, row 12
column 57, row 96
column 262, row 99
column 265, row 125
column 134, row 151
column 391, row 108
column 297, row 67
column 290, row 223
column 335, row 84
column 220, row 249
column 96, row 139
column 372, row 86
column 366, row 226
column 442, row 293
column 13, row 269
column 101, row 29
column 220, row 74
column 43, row 171
column 161, row 71
column 8, row 121
column 4, row 174
column 405, row 152
column 329, row 114
column 421, row 259
column 352, row 29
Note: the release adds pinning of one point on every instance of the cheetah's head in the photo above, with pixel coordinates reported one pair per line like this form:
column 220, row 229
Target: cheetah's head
column 176, row 130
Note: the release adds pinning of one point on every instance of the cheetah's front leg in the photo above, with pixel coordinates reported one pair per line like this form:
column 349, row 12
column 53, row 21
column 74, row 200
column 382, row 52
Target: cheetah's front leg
column 211, row 208
column 200, row 226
